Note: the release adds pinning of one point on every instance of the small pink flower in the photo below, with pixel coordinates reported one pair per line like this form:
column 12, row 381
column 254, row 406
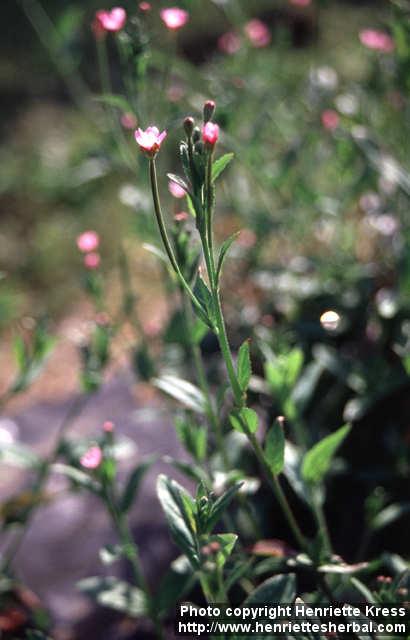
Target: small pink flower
column 300, row 3
column 377, row 40
column 92, row 458
column 330, row 119
column 174, row 17
column 176, row 190
column 92, row 260
column 150, row 140
column 229, row 43
column 88, row 241
column 108, row 426
column 258, row 33
column 210, row 133
column 128, row 121
column 181, row 216
column 113, row 20
column 145, row 6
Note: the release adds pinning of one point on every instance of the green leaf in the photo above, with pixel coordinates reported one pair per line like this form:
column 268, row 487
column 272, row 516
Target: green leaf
column 190, row 470
column 244, row 366
column 203, row 294
column 18, row 455
column 219, row 506
column 115, row 594
column 316, row 461
column 247, row 416
column 80, row 478
column 156, row 251
column 389, row 514
column 226, row 543
column 183, row 391
column 275, row 447
column 133, row 484
column 219, row 165
column 193, row 437
column 20, row 353
column 226, row 245
column 279, row 589
column 178, row 581
column 179, row 509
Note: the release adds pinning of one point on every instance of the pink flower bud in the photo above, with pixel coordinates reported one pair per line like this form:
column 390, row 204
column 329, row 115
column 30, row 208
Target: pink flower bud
column 150, row 140
column 88, row 241
column 330, row 119
column 92, row 260
column 145, row 6
column 210, row 133
column 209, row 108
column 258, row 33
column 113, row 20
column 174, row 18
column 377, row 40
column 92, row 458
column 176, row 190
column 128, row 121
column 229, row 43
column 108, row 426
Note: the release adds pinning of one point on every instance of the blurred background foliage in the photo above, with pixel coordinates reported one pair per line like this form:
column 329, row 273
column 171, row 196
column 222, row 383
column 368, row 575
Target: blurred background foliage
column 294, row 185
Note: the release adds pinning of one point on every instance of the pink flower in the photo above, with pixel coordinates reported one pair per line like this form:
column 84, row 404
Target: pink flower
column 229, row 43
column 113, row 20
column 128, row 121
column 377, row 40
column 258, row 33
column 176, row 190
column 300, row 3
column 92, row 458
column 145, row 6
column 174, row 17
column 330, row 119
column 88, row 241
column 92, row 260
column 108, row 426
column 181, row 216
column 210, row 133
column 150, row 140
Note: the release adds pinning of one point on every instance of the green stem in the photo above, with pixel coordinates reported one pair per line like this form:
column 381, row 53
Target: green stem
column 132, row 555
column 164, row 235
column 203, row 382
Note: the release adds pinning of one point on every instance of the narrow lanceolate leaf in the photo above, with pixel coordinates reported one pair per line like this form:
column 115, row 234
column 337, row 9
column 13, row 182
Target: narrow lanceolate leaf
column 179, row 510
column 317, row 460
column 245, row 417
column 244, row 366
column 183, row 391
column 275, row 447
column 220, row 505
column 133, row 484
column 226, row 245
column 221, row 164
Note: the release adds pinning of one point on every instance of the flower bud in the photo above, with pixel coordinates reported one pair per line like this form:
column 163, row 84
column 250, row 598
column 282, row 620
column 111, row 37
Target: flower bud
column 189, row 124
column 209, row 108
column 210, row 134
